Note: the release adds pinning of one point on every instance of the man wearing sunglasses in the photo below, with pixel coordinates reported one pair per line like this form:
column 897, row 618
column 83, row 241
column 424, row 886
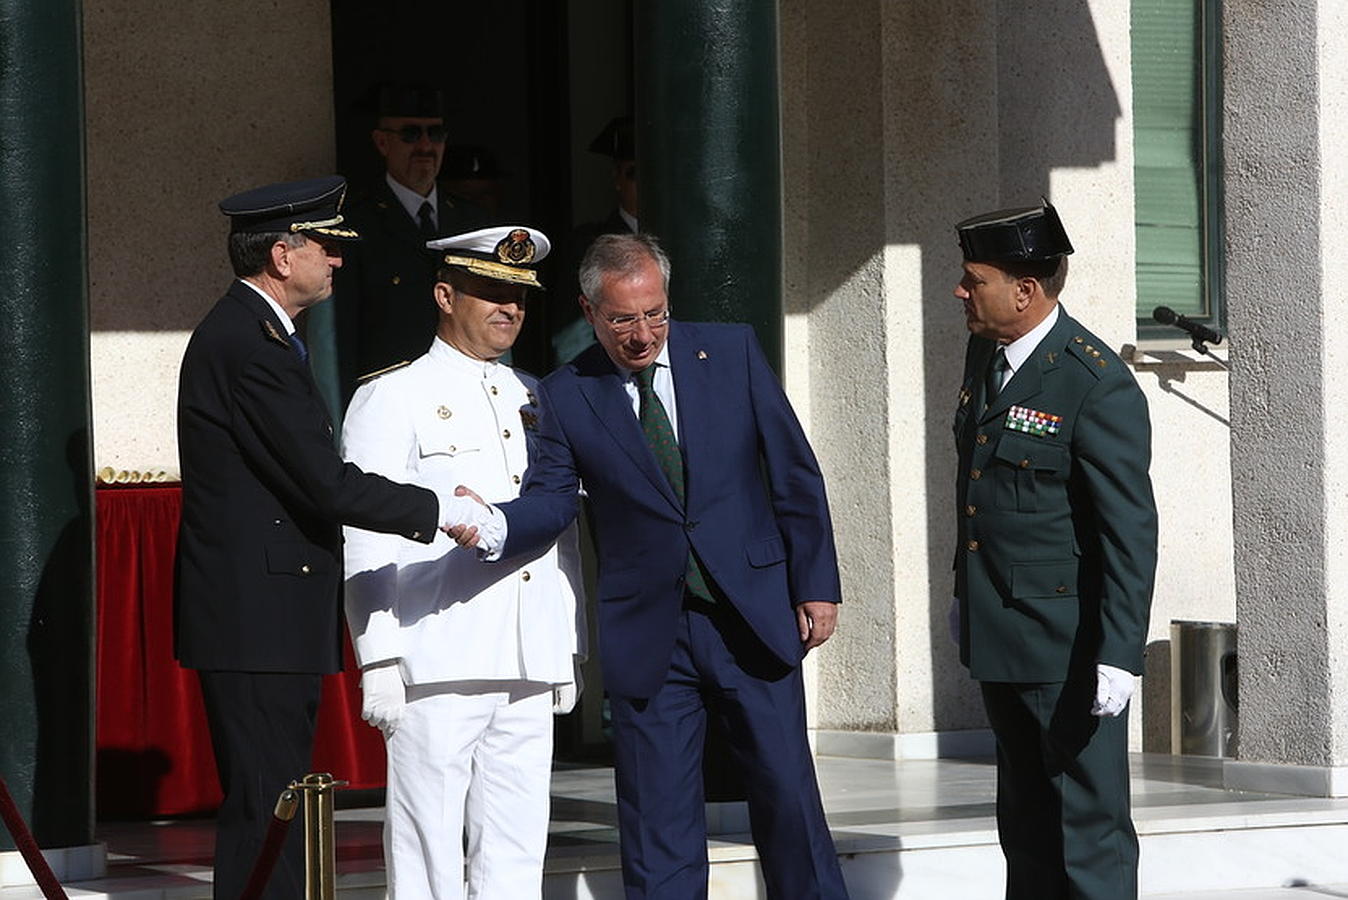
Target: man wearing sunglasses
column 384, row 291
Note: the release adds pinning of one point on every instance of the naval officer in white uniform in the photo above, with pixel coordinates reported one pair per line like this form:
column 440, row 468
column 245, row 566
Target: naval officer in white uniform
column 463, row 662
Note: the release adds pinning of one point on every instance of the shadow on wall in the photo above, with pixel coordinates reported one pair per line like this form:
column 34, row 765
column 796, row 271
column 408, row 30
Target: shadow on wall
column 980, row 103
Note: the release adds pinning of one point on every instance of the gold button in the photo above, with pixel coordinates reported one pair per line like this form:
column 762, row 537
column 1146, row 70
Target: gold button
column 493, row 390
column 506, row 434
column 452, row 448
column 982, row 439
column 525, row 576
column 397, row 279
column 515, row 478
column 970, row 510
column 1078, row 340
column 973, row 546
column 1024, row 463
column 976, row 474
column 444, row 412
column 304, row 569
column 416, row 535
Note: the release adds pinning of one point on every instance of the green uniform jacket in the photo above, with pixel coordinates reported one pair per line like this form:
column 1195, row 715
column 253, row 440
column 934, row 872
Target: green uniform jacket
column 1056, row 554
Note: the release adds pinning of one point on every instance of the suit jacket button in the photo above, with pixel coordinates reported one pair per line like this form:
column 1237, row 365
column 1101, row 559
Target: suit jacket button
column 276, row 521
column 982, row 439
column 304, row 569
column 524, row 576
column 973, row 546
column 1024, row 463
column 976, row 474
column 970, row 510
column 416, row 535
column 397, row 279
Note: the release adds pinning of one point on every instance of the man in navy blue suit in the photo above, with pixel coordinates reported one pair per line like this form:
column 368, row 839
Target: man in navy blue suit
column 717, row 570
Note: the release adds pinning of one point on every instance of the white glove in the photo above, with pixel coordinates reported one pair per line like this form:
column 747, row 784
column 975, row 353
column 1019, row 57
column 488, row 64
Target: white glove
column 952, row 619
column 1113, row 688
column 383, row 697
column 564, row 696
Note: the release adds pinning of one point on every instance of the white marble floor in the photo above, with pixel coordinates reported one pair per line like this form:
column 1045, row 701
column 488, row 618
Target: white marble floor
column 912, row 829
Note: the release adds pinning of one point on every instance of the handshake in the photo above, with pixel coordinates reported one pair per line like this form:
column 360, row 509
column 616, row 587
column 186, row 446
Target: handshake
column 471, row 522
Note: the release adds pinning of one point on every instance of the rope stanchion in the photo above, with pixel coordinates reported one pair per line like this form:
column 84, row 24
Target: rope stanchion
column 23, row 839
column 281, row 817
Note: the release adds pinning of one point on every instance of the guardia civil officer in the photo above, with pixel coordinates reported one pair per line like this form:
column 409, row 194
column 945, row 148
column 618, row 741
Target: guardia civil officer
column 265, row 493
column 464, row 662
column 1055, row 559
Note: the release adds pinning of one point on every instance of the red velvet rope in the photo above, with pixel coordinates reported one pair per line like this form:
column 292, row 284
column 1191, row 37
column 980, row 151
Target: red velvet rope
column 23, row 839
column 271, row 847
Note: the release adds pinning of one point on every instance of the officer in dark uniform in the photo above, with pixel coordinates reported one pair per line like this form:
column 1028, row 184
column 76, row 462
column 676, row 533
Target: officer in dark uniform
column 1055, row 559
column 265, row 493
column 617, row 141
column 384, row 305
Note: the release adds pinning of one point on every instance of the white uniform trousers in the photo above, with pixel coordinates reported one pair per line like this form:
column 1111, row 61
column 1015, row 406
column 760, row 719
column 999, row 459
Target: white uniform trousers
column 472, row 756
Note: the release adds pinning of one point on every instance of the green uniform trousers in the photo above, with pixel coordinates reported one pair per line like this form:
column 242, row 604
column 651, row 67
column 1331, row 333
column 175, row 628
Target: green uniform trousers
column 1063, row 809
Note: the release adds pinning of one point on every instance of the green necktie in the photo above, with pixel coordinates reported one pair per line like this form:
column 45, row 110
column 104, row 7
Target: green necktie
column 660, row 435
column 992, row 382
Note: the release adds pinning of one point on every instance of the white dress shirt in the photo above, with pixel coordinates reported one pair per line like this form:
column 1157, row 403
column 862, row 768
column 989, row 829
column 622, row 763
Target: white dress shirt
column 411, row 200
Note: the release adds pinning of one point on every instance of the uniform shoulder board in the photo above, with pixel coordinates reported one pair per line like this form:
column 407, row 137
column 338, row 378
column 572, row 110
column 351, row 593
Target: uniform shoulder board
column 371, row 376
column 1096, row 360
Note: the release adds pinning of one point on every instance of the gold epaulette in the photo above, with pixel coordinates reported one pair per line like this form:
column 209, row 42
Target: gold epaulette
column 384, row 371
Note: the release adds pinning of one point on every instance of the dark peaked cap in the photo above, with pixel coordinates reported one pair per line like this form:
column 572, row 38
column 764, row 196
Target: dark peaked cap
column 312, row 205
column 617, row 140
column 1030, row 234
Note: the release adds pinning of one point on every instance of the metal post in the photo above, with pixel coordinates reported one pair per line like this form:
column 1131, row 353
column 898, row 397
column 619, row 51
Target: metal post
column 320, row 845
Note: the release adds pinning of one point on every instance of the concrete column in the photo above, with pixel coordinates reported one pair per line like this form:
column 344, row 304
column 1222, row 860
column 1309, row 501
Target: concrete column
column 46, row 523
column 1284, row 114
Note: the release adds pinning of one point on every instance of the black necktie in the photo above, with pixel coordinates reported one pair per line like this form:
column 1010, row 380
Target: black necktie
column 426, row 216
column 660, row 435
column 298, row 344
column 992, row 381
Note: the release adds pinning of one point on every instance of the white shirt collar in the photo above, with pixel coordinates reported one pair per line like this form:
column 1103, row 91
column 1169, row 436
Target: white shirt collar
column 286, row 321
column 1022, row 348
column 462, row 362
column 630, row 219
column 411, row 200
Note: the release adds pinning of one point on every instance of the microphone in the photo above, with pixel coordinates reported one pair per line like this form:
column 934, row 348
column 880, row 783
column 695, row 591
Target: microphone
column 1199, row 332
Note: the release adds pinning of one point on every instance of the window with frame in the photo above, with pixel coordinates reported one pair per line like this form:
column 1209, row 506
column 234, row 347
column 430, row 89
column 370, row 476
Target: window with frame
column 1176, row 135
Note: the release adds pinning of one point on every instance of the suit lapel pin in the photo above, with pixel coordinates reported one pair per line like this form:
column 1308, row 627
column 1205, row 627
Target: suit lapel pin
column 702, row 354
column 1051, row 357
column 443, row 412
column 270, row 330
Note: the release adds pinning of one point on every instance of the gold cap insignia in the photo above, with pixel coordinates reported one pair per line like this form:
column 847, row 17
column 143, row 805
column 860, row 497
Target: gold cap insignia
column 516, row 248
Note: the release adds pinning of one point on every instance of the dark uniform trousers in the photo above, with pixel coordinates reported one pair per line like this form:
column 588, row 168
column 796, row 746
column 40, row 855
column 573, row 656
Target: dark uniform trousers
column 262, row 724
column 1063, row 812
